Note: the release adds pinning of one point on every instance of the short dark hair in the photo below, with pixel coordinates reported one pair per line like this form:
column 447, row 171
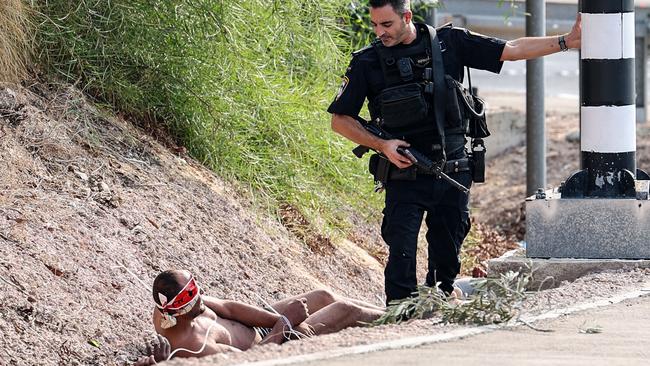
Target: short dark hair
column 166, row 283
column 400, row 6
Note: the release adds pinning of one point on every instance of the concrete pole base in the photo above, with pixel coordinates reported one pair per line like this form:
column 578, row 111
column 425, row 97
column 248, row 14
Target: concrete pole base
column 592, row 228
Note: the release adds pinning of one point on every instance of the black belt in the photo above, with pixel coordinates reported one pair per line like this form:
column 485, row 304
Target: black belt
column 410, row 173
column 452, row 166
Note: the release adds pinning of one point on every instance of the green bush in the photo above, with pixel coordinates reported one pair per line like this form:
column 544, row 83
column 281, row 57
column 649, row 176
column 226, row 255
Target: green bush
column 242, row 84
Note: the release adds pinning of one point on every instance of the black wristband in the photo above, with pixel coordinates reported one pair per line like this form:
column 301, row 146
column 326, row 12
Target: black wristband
column 562, row 42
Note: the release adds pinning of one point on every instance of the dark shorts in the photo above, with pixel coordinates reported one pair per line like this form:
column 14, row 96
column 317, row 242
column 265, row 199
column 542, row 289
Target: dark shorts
column 263, row 332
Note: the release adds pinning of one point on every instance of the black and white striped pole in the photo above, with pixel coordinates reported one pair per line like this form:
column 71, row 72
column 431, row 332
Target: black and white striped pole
column 600, row 212
column 608, row 102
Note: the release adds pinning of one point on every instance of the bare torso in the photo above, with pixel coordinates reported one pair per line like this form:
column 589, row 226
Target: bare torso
column 223, row 332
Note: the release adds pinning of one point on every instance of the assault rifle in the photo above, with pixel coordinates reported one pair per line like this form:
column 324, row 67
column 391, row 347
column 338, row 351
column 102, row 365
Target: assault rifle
column 421, row 161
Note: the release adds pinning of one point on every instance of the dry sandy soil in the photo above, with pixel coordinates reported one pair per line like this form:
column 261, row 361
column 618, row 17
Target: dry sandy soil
column 92, row 208
column 85, row 196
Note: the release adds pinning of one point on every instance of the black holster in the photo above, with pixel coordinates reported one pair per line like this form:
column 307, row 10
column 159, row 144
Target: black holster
column 379, row 167
column 383, row 170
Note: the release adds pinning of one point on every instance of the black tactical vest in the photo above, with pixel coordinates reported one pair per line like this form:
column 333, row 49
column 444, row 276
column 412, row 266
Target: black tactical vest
column 405, row 106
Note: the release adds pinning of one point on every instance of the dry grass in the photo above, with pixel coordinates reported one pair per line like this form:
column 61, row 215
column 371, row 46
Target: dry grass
column 14, row 40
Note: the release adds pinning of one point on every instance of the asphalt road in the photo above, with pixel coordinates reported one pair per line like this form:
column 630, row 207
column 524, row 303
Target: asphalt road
column 614, row 335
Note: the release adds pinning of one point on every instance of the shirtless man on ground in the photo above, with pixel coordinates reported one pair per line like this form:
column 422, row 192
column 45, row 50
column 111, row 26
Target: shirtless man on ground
column 190, row 324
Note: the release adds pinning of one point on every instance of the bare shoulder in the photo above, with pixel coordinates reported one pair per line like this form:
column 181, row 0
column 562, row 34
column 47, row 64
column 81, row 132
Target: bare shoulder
column 155, row 318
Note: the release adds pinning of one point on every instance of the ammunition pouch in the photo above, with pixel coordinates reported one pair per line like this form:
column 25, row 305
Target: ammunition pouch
column 465, row 112
column 403, row 106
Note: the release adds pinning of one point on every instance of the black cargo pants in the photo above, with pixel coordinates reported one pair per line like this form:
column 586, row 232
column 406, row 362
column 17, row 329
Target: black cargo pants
column 447, row 220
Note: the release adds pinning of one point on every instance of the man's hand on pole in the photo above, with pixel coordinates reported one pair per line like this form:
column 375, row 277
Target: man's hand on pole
column 573, row 38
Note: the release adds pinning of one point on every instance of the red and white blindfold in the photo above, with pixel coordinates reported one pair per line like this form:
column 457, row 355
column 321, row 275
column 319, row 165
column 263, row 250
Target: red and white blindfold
column 186, row 296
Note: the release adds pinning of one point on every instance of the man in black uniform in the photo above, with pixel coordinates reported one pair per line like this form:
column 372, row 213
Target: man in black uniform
column 393, row 74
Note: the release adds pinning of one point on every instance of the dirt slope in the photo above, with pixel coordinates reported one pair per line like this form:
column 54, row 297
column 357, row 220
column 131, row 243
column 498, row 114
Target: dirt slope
column 85, row 196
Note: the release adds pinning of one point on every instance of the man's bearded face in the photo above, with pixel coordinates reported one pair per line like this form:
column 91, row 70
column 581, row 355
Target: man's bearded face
column 388, row 25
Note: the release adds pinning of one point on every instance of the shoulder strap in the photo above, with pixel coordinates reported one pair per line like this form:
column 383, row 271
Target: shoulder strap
column 469, row 81
column 362, row 50
column 440, row 89
column 386, row 58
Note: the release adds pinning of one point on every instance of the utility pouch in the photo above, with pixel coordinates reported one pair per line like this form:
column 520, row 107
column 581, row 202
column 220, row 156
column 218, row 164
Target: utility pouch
column 456, row 120
column 478, row 128
column 465, row 110
column 379, row 167
column 477, row 161
column 403, row 106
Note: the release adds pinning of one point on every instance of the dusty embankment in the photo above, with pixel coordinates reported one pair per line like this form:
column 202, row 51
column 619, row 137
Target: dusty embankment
column 85, row 195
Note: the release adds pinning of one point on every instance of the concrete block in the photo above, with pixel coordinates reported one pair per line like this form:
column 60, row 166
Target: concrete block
column 550, row 273
column 596, row 228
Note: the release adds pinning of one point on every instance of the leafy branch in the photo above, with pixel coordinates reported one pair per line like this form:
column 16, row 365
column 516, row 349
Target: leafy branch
column 497, row 300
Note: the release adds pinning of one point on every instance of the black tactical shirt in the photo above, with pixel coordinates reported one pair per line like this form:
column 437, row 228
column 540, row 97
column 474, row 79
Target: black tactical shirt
column 460, row 47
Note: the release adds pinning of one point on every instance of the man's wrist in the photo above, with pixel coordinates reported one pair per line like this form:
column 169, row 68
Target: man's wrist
column 381, row 145
column 561, row 40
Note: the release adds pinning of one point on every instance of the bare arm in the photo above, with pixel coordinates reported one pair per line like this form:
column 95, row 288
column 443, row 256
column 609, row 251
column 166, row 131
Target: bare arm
column 349, row 128
column 296, row 312
column 251, row 316
column 527, row 48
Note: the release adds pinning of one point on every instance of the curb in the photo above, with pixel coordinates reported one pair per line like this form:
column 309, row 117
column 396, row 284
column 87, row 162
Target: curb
column 453, row 335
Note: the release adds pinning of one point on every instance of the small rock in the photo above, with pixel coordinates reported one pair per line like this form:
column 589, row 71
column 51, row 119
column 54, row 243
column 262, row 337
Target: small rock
column 83, row 176
column 573, row 137
column 7, row 99
column 104, row 187
column 122, row 359
column 115, row 201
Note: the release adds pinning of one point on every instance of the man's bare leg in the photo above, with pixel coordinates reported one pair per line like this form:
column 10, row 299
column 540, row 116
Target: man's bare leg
column 363, row 304
column 340, row 315
column 318, row 299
